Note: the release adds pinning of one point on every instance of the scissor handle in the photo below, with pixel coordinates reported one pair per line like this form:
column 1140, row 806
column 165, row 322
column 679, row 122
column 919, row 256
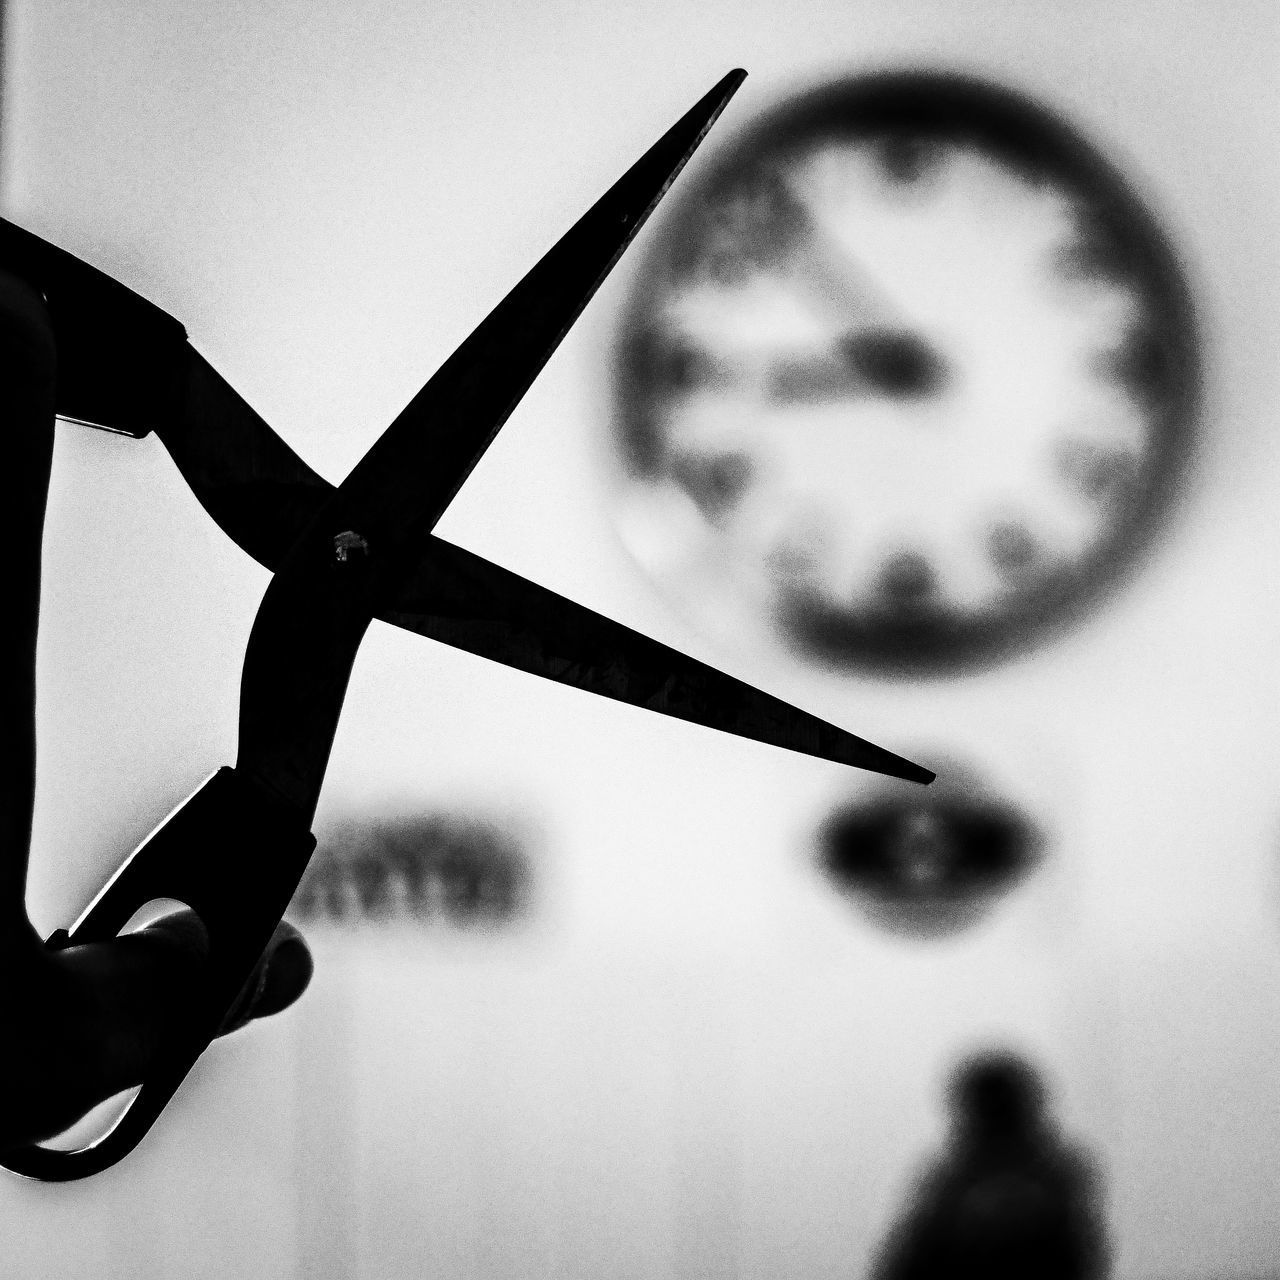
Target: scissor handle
column 119, row 356
column 234, row 854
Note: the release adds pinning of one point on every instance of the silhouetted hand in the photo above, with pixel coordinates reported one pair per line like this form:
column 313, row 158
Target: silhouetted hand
column 80, row 1024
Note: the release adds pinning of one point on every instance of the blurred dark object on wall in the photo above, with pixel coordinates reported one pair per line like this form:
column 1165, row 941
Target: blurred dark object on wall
column 1009, row 1197
column 908, row 381
column 927, row 863
column 444, row 868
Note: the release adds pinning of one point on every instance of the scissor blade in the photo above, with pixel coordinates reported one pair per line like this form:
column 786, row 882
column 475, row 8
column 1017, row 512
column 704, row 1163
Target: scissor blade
column 258, row 491
column 263, row 495
column 318, row 605
column 405, row 482
column 485, row 609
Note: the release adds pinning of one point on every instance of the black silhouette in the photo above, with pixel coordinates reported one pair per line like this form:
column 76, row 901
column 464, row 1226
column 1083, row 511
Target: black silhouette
column 1009, row 1199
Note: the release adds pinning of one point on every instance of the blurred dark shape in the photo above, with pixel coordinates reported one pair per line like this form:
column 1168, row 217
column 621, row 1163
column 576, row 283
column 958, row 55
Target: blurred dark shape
column 751, row 225
column 751, row 218
column 928, row 863
column 715, row 481
column 1140, row 364
column 480, row 879
column 906, row 158
column 1009, row 1197
column 371, row 879
column 809, row 380
column 321, row 895
column 1013, row 548
column 1098, row 253
column 1103, row 473
column 908, row 581
column 671, row 364
column 900, row 364
column 461, row 870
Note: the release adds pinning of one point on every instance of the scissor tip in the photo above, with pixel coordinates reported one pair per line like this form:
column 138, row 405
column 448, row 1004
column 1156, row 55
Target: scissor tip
column 898, row 767
column 729, row 83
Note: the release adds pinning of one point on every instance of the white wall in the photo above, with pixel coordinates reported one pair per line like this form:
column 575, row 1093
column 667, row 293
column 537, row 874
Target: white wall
column 695, row 1061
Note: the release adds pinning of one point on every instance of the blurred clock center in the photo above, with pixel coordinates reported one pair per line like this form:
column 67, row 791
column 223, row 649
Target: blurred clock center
column 895, row 363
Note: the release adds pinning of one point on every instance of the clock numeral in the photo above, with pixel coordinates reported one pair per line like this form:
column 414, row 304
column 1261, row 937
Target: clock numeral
column 1097, row 253
column 907, row 159
column 1013, row 549
column 715, row 481
column 1141, row 364
column 1099, row 472
column 757, row 224
column 907, row 582
column 668, row 365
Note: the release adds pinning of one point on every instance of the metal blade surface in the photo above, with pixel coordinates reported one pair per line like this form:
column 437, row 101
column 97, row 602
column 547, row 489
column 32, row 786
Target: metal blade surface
column 472, row 604
column 407, row 479
column 258, row 491
column 318, row 605
column 263, row 496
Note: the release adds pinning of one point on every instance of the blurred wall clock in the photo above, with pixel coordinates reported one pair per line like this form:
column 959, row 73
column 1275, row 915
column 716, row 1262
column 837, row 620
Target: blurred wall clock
column 911, row 374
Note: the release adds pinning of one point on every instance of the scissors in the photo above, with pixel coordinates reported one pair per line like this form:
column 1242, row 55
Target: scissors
column 236, row 849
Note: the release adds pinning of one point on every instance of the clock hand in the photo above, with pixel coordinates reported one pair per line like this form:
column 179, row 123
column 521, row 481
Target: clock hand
column 881, row 351
column 834, row 282
column 897, row 364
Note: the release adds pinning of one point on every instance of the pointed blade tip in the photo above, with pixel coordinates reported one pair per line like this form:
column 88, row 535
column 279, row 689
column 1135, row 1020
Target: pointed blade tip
column 731, row 83
column 894, row 766
column 917, row 773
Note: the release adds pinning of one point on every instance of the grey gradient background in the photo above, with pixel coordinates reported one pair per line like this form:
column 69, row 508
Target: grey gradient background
column 694, row 1060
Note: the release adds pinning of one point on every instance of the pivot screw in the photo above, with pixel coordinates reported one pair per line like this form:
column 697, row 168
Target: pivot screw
column 349, row 545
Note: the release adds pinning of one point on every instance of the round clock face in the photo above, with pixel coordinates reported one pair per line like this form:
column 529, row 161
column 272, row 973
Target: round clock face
column 908, row 378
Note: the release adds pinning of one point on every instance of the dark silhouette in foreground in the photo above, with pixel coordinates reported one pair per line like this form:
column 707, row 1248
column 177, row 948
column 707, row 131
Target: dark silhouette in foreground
column 81, row 1023
column 1009, row 1198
